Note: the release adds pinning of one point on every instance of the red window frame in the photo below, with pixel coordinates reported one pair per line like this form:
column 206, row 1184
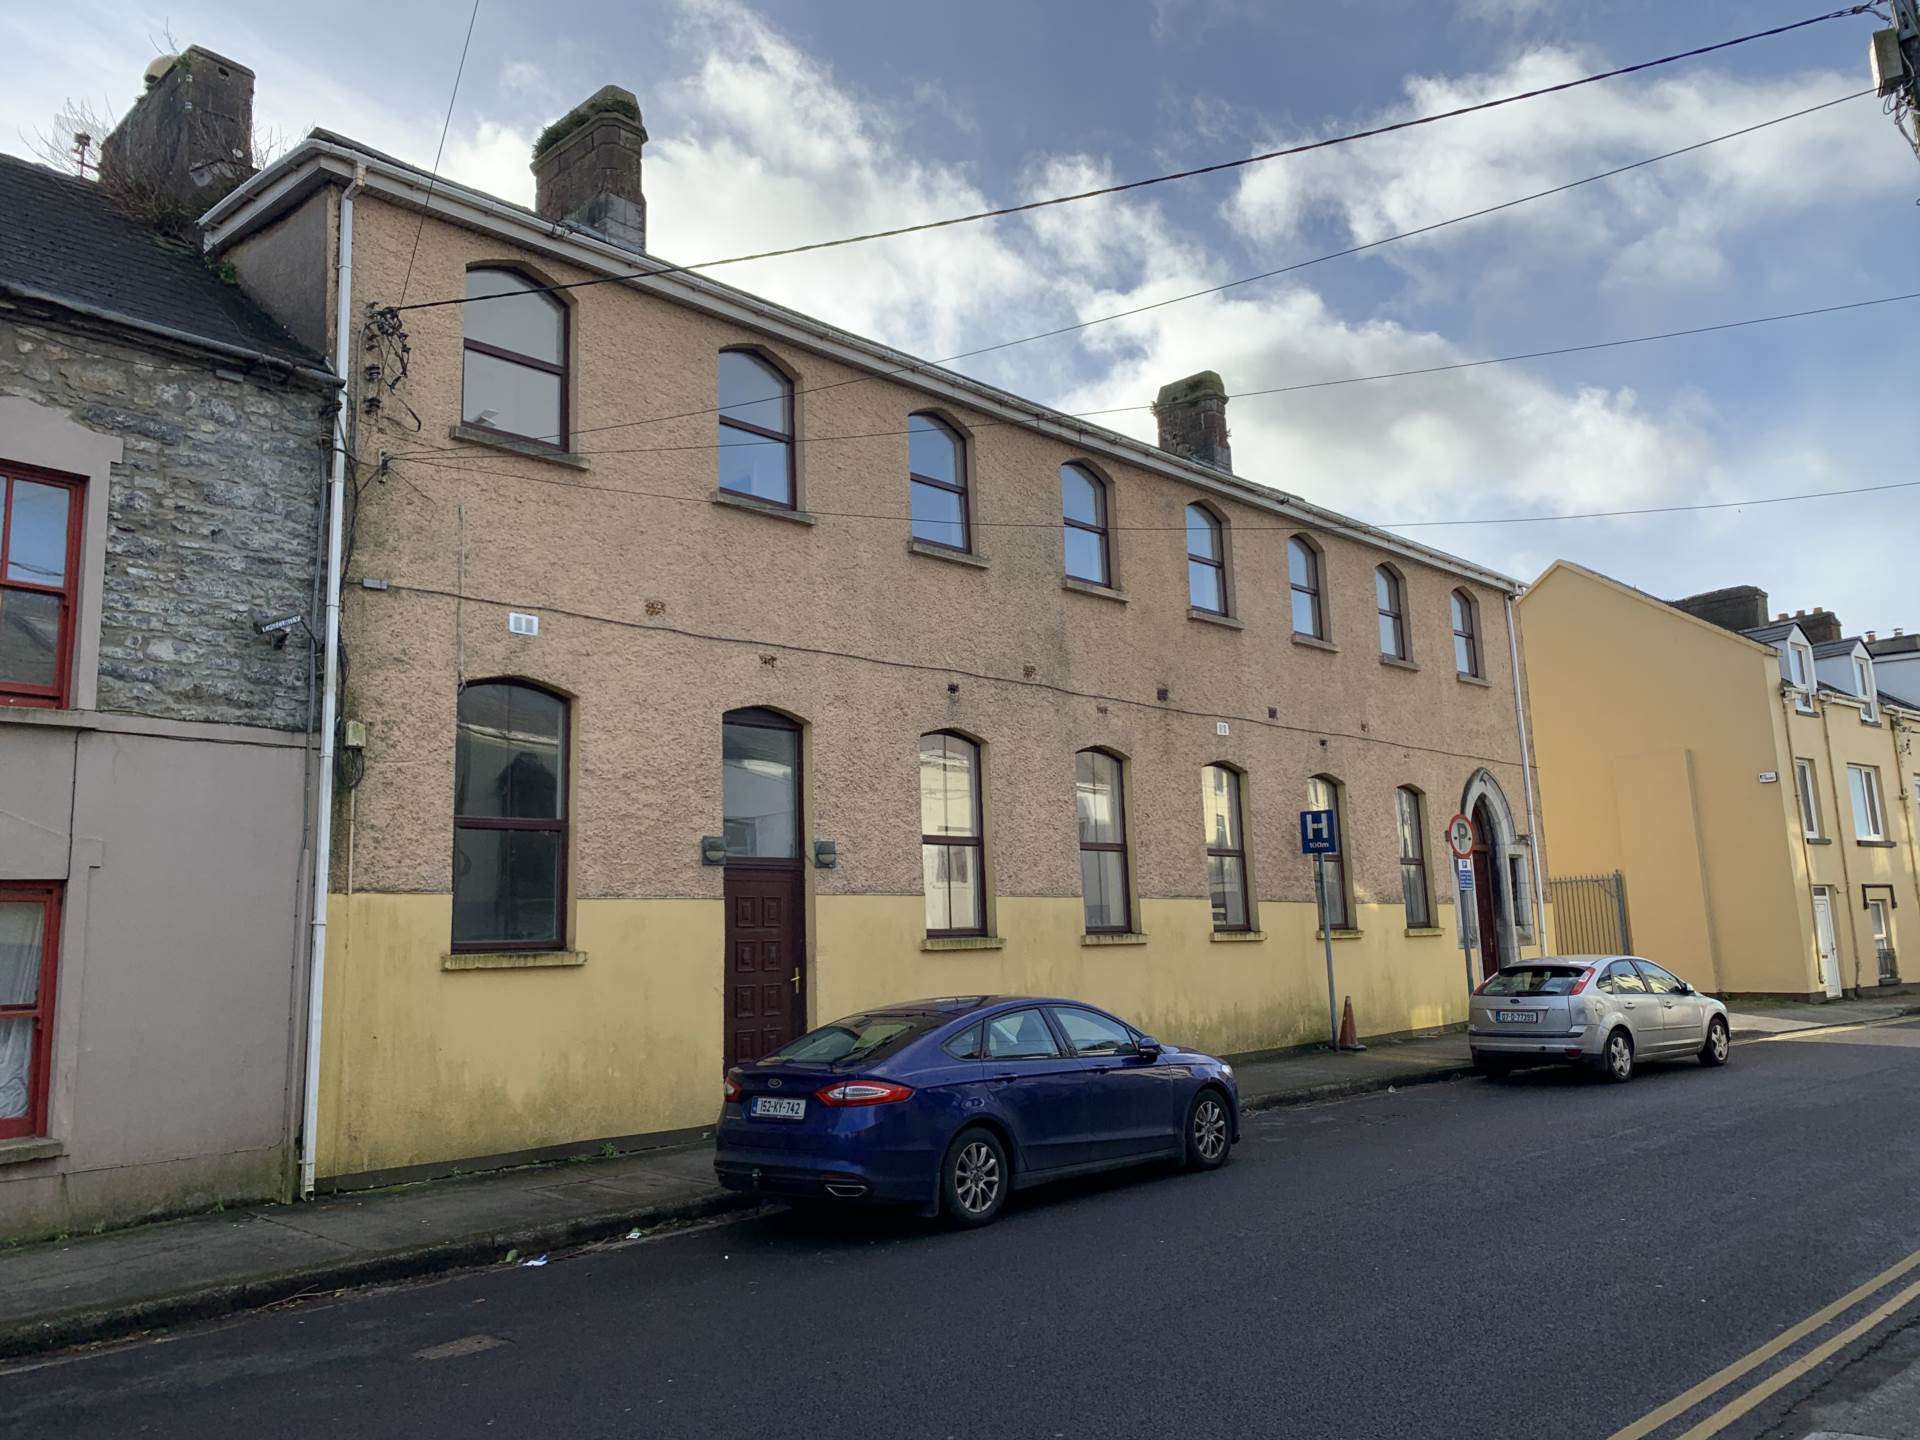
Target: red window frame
column 18, row 693
column 40, row 1013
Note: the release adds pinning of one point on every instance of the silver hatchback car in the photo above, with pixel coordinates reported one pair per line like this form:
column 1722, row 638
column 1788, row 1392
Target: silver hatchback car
column 1607, row 1011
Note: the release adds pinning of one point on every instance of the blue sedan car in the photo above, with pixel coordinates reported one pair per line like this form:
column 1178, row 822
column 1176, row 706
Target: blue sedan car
column 950, row 1105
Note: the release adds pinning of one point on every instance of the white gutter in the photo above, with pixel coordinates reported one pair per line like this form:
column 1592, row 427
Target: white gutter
column 1526, row 775
column 315, row 160
column 343, row 330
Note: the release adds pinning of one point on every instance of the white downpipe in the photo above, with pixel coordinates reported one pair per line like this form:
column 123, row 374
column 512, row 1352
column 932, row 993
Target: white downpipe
column 1526, row 777
column 330, row 691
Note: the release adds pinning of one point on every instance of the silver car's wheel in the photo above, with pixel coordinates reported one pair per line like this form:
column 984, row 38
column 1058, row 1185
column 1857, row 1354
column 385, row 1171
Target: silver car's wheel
column 1719, row 1047
column 1617, row 1064
column 1209, row 1131
column 975, row 1178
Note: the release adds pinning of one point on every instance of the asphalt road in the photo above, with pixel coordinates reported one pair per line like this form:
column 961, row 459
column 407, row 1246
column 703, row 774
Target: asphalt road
column 1545, row 1257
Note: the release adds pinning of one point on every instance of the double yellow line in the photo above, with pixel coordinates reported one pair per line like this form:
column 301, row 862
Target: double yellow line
column 1733, row 1409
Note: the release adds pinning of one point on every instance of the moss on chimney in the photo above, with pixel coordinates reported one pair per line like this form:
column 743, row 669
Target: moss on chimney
column 581, row 114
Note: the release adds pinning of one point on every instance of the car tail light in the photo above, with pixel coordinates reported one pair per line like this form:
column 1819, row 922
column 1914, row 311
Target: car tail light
column 1581, row 983
column 734, row 1093
column 862, row 1092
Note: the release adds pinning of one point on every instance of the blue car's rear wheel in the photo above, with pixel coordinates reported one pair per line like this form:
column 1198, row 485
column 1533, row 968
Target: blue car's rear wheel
column 975, row 1177
column 1209, row 1130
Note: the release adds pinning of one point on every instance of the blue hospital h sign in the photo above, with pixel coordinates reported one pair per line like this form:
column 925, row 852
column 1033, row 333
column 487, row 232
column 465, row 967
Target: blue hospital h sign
column 1318, row 833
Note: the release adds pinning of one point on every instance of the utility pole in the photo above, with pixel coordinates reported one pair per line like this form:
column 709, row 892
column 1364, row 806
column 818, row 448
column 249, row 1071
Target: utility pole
column 1895, row 57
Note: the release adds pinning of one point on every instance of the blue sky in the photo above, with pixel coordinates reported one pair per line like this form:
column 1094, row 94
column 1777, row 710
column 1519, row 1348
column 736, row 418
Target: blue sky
column 776, row 123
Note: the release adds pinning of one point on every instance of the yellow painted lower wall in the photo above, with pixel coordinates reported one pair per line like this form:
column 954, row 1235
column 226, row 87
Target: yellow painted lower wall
column 423, row 1065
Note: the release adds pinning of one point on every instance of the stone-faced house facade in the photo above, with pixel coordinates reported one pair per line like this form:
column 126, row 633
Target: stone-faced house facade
column 162, row 451
column 724, row 672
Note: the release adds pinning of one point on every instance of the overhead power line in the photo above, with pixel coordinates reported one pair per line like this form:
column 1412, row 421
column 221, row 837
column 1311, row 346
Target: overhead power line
column 1239, row 529
column 433, row 176
column 1209, row 290
column 1187, row 174
column 1583, row 348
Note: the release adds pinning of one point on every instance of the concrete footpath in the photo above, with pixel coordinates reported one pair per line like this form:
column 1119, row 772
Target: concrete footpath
column 67, row 1292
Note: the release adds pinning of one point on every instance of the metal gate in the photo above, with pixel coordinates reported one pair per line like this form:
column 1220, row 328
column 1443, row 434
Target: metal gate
column 1590, row 915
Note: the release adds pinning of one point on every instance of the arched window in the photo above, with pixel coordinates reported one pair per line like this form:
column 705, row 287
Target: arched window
column 509, row 818
column 1100, row 799
column 756, row 429
column 1413, row 857
column 937, row 483
column 1466, row 635
column 1390, row 597
column 1206, row 561
column 1083, row 511
column 950, row 835
column 1324, row 793
column 760, row 785
column 1303, row 576
column 1226, row 848
column 515, row 374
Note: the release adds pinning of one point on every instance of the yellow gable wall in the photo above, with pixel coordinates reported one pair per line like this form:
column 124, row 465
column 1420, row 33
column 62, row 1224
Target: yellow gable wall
column 1653, row 730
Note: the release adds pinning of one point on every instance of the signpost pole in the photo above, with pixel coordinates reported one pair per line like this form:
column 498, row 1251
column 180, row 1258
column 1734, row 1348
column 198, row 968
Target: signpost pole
column 1461, row 899
column 1326, row 936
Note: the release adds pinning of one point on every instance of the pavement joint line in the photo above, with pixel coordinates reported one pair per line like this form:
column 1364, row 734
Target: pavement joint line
column 1739, row 1369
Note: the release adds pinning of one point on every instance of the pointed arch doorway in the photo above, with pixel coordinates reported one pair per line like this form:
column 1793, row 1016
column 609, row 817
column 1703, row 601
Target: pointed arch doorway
column 1498, row 917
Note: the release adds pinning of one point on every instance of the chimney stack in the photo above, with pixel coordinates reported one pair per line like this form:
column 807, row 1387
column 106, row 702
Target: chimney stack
column 1821, row 625
column 1740, row 607
column 187, row 141
column 586, row 168
column 1193, row 420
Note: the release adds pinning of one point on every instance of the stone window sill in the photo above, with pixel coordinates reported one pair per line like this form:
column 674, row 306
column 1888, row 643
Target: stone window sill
column 1421, row 932
column 942, row 552
column 963, row 942
column 1087, row 587
column 1130, row 937
column 1877, row 844
column 1314, row 642
column 1339, row 934
column 761, row 507
column 512, row 959
column 1819, row 840
column 531, row 449
column 1480, row 680
column 1210, row 618
column 29, row 1148
column 1398, row 664
column 1238, row 937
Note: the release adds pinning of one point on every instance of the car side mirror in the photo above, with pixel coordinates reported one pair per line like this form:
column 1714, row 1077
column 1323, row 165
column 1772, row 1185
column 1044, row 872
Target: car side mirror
column 1148, row 1048
column 1685, row 988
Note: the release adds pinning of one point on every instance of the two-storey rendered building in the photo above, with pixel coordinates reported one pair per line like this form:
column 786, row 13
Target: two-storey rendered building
column 723, row 672
column 1747, row 774
column 162, row 447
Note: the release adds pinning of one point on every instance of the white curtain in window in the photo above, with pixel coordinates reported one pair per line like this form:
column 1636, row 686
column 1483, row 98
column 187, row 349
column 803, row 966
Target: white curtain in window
column 20, row 941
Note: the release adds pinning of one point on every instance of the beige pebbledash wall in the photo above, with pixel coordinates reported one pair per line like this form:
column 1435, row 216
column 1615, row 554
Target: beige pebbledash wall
column 661, row 608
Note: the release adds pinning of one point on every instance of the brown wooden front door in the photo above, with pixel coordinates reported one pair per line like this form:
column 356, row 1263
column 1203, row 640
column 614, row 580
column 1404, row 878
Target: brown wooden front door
column 766, row 943
column 1486, row 904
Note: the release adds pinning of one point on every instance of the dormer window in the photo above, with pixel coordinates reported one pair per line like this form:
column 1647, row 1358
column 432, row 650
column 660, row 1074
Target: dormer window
column 1863, row 687
column 1800, row 673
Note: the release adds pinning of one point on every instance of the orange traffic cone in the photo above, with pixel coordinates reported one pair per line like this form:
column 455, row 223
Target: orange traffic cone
column 1349, row 1033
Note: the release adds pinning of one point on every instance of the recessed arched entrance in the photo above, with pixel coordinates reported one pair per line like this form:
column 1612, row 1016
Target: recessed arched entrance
column 1499, row 916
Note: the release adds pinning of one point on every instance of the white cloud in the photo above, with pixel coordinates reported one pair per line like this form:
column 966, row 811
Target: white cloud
column 1664, row 225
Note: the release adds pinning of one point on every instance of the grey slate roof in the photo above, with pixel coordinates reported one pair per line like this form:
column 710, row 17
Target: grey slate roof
column 63, row 241
column 1827, row 649
column 1770, row 634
